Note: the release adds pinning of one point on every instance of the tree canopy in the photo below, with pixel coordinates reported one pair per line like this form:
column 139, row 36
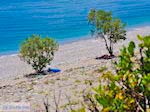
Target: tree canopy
column 107, row 27
column 38, row 52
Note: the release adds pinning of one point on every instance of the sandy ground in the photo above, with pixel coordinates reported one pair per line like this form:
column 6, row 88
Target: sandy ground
column 69, row 55
column 76, row 60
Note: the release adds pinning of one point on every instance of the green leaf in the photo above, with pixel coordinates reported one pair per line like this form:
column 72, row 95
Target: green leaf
column 140, row 37
column 131, row 48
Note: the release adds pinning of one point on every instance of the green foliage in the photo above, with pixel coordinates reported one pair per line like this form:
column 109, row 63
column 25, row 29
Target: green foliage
column 128, row 89
column 105, row 26
column 79, row 110
column 145, row 51
column 102, row 69
column 38, row 52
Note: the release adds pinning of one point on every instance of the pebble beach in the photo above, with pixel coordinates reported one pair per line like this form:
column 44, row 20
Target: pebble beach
column 77, row 63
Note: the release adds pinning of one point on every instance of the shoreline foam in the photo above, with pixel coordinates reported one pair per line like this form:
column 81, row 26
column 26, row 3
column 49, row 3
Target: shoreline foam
column 81, row 38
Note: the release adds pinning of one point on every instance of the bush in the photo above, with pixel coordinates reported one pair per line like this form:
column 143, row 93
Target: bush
column 38, row 52
column 129, row 88
column 105, row 26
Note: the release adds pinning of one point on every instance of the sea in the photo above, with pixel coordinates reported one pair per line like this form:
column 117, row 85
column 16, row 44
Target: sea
column 63, row 20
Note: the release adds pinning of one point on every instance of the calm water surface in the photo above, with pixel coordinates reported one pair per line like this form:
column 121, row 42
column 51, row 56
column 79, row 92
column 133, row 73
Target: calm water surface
column 65, row 20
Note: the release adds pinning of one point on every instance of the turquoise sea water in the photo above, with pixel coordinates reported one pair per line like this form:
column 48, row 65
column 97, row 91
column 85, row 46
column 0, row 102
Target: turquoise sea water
column 65, row 20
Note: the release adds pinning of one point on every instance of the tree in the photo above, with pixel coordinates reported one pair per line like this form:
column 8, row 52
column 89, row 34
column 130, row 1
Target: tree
column 38, row 52
column 127, row 90
column 109, row 28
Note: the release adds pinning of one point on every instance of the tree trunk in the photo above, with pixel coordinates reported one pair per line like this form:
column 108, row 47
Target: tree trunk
column 111, row 53
column 106, row 44
column 111, row 47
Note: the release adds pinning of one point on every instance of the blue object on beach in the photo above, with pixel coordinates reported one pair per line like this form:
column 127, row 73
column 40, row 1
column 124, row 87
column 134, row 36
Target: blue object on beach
column 54, row 70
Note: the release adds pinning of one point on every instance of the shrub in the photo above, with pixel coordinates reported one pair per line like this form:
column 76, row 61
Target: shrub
column 38, row 52
column 105, row 26
column 129, row 88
